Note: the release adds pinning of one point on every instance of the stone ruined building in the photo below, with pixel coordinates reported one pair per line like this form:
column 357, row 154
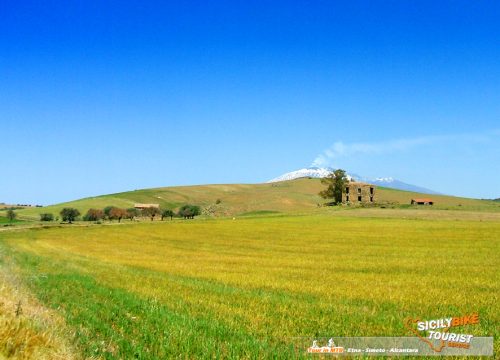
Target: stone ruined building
column 358, row 192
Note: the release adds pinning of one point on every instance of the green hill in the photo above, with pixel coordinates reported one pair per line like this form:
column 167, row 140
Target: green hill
column 237, row 199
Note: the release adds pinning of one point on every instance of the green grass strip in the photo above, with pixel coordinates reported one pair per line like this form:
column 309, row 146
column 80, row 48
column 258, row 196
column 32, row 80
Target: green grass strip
column 112, row 323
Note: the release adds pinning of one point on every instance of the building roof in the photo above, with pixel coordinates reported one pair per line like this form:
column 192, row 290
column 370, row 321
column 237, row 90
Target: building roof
column 146, row 205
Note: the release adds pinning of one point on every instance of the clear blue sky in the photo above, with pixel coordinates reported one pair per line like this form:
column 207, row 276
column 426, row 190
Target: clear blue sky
column 101, row 98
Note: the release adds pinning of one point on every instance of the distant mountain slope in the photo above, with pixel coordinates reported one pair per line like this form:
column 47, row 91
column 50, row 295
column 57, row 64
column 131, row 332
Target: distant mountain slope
column 400, row 185
column 315, row 172
column 297, row 195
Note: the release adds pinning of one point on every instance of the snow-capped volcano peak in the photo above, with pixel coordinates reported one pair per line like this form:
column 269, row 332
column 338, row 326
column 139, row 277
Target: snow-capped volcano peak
column 313, row 172
column 384, row 179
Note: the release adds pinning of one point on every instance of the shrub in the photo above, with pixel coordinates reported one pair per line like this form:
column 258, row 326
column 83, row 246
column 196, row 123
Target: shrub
column 11, row 215
column 189, row 211
column 107, row 210
column 69, row 214
column 167, row 213
column 117, row 213
column 46, row 217
column 93, row 215
column 133, row 213
column 151, row 212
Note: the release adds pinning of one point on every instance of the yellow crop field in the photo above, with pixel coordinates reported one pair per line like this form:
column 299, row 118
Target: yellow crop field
column 248, row 287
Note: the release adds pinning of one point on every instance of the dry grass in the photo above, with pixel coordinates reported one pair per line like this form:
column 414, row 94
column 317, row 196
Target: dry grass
column 258, row 280
column 422, row 213
column 28, row 330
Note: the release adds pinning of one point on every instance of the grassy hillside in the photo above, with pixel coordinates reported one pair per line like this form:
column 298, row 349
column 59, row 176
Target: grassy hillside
column 237, row 199
column 246, row 288
column 443, row 202
column 4, row 221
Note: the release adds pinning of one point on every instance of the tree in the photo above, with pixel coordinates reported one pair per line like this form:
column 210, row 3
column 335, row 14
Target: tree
column 151, row 212
column 94, row 215
column 336, row 183
column 107, row 210
column 132, row 213
column 11, row 215
column 167, row 213
column 69, row 214
column 117, row 213
column 189, row 211
column 46, row 217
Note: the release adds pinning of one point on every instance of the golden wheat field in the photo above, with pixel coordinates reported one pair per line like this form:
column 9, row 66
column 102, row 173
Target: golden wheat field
column 245, row 288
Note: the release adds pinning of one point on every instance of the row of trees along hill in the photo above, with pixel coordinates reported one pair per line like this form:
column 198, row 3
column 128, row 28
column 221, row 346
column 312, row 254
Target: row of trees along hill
column 115, row 213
